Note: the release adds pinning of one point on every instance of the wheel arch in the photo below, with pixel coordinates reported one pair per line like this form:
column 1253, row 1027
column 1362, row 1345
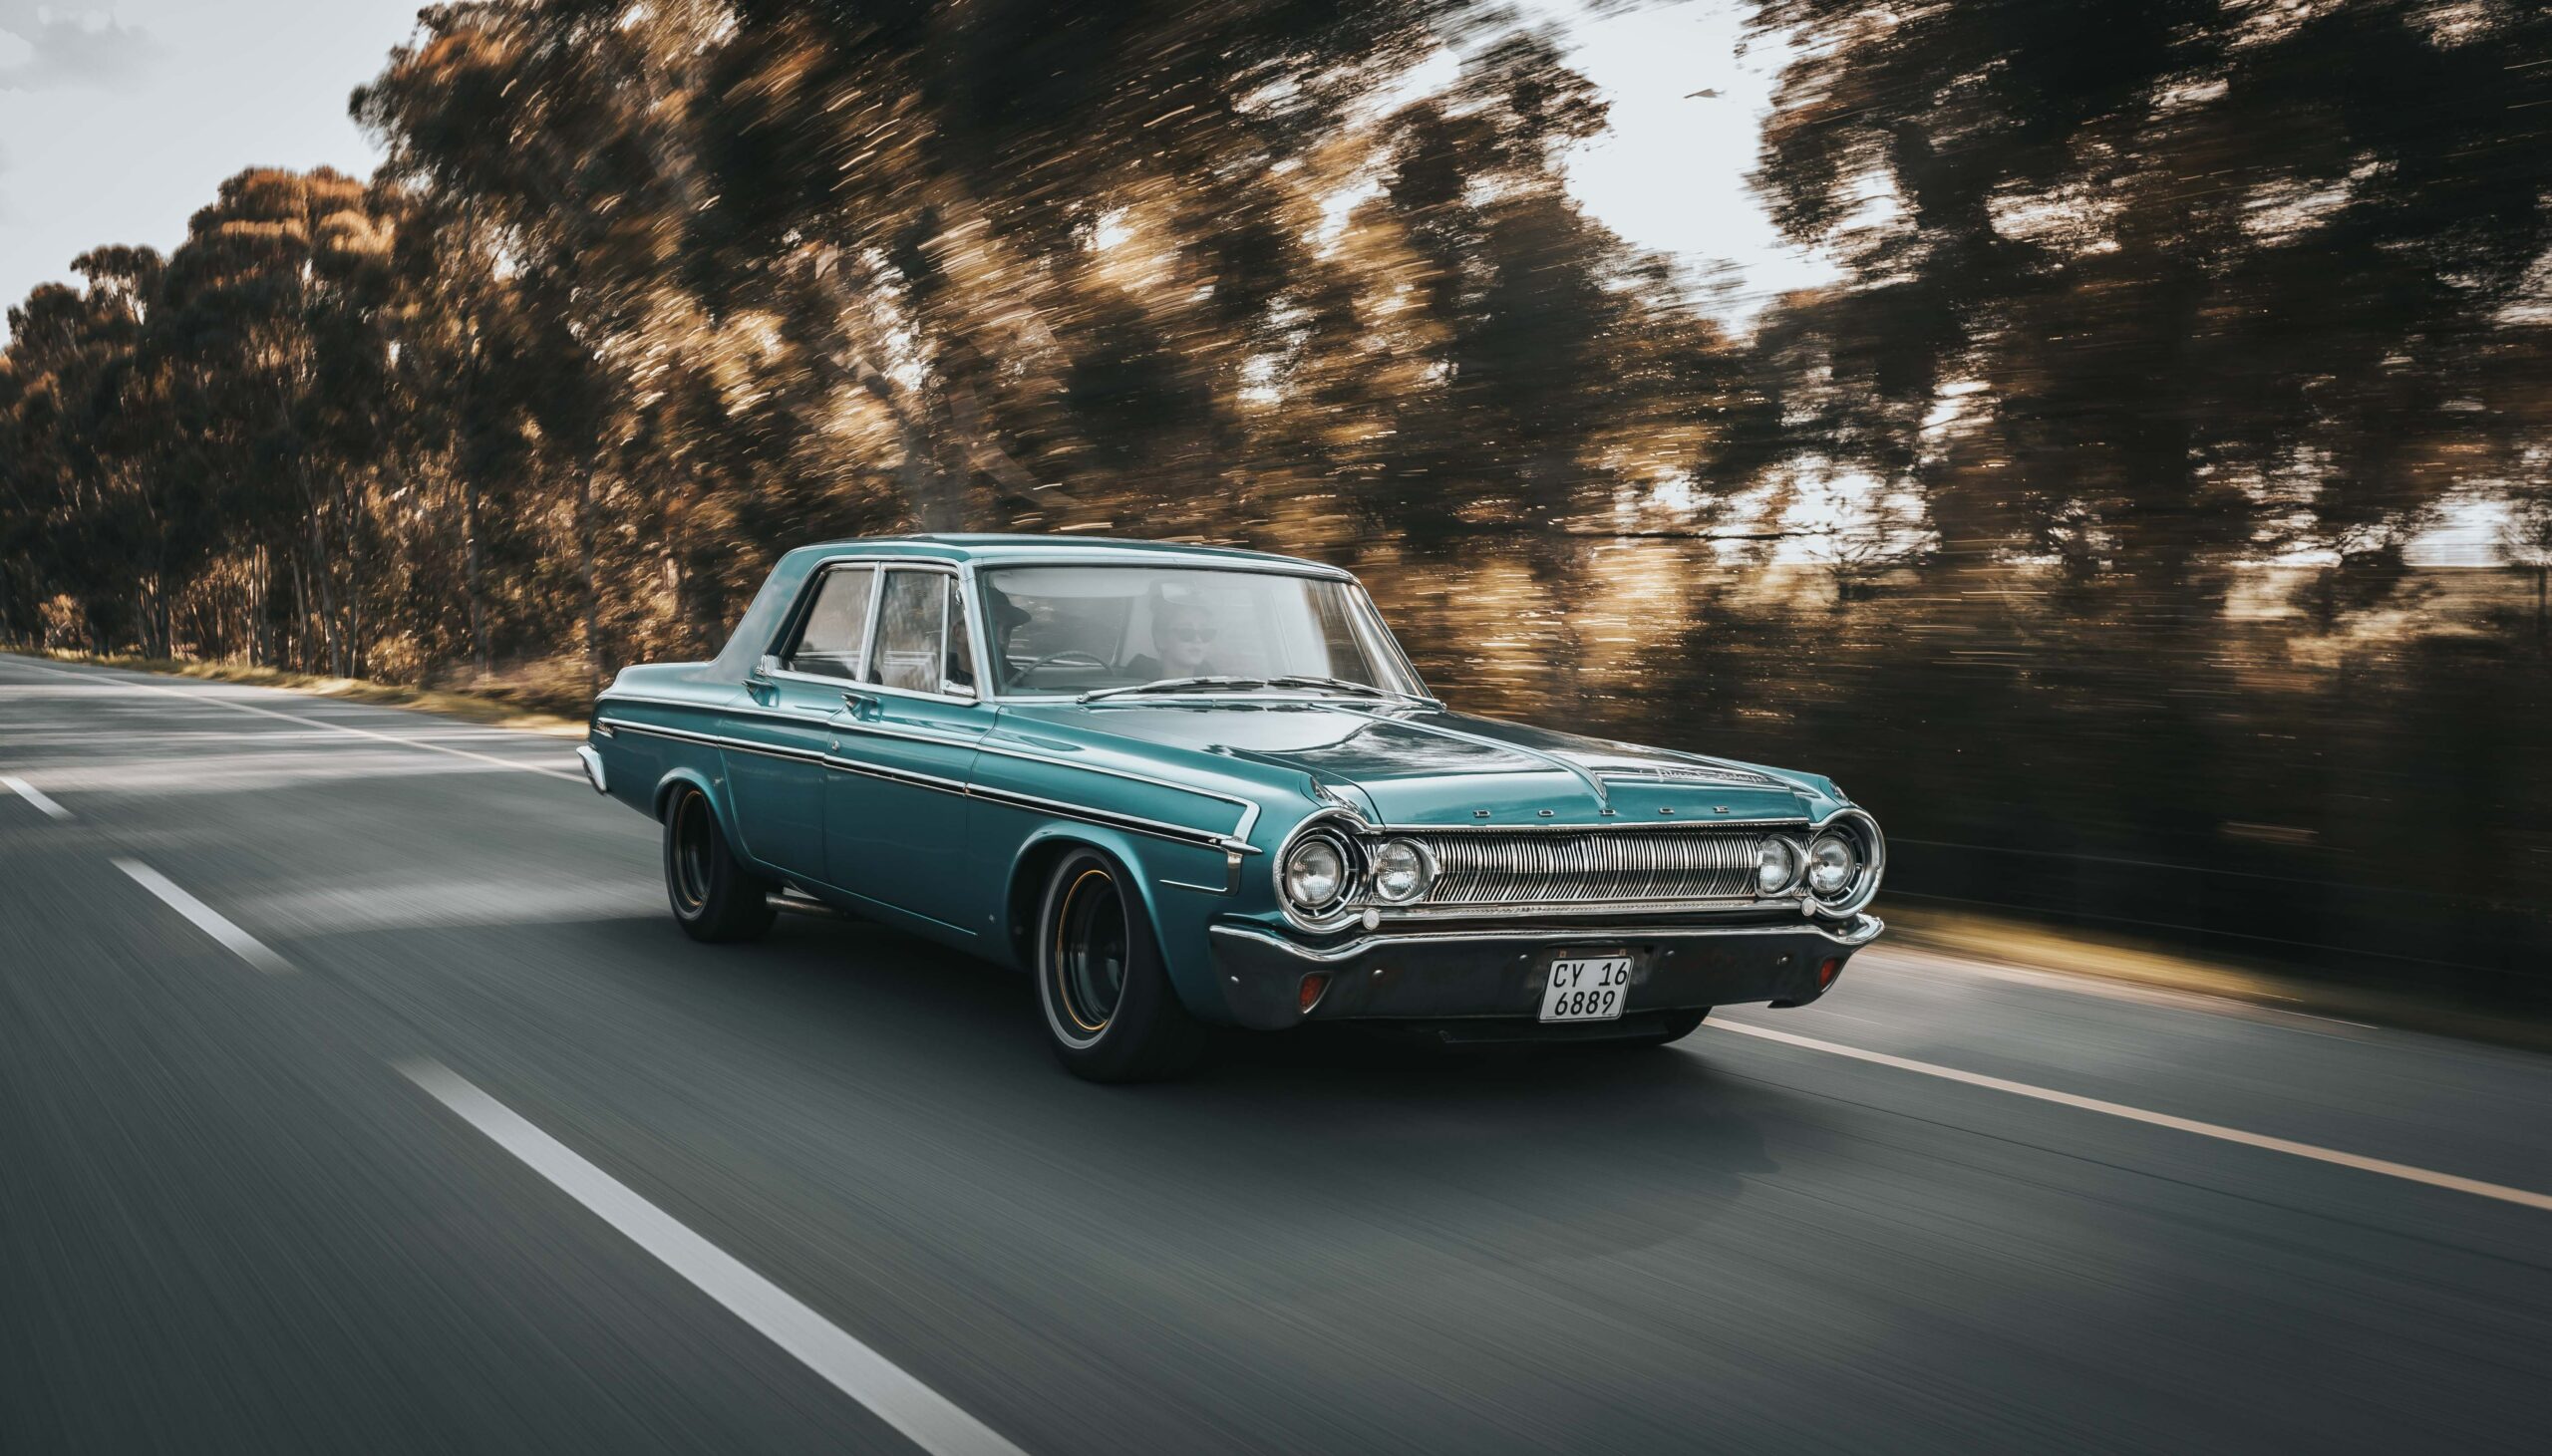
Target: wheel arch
column 1035, row 863
column 686, row 777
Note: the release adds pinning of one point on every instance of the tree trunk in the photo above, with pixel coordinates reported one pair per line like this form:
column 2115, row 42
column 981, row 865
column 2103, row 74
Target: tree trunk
column 319, row 572
column 473, row 587
column 2542, row 605
column 264, row 626
column 595, row 667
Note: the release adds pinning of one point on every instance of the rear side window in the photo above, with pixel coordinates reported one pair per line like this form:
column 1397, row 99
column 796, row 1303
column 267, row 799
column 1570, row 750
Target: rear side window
column 910, row 621
column 836, row 625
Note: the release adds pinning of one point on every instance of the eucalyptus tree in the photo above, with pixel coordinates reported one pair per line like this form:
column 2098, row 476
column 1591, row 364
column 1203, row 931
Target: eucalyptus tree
column 2144, row 285
column 96, row 499
column 270, row 329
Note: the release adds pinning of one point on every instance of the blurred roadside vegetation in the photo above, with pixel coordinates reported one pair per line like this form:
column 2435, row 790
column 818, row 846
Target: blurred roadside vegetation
column 2070, row 529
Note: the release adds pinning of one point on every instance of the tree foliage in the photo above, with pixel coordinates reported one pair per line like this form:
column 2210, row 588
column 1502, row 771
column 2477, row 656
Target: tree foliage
column 2163, row 328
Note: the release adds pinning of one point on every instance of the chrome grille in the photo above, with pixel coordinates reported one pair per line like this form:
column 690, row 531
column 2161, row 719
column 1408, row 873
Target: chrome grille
column 1560, row 868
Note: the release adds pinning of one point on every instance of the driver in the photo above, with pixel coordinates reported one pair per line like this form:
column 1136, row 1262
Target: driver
column 1183, row 634
column 1004, row 617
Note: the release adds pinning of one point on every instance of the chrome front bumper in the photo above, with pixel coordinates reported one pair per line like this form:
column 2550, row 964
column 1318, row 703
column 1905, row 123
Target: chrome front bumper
column 1501, row 972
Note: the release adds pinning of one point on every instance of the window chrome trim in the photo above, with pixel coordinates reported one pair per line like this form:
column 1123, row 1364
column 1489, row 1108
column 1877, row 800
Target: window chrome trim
column 793, row 624
column 1101, row 556
column 816, row 575
column 1860, row 931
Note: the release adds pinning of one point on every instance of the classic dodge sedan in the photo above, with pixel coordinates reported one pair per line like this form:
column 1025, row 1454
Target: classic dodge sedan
column 1183, row 787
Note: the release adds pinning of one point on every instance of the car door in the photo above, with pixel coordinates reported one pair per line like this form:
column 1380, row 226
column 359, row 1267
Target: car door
column 896, row 810
column 790, row 699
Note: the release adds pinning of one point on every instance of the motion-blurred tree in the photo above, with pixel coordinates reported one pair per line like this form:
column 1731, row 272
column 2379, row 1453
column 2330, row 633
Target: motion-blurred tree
column 271, row 328
column 2223, row 271
column 2142, row 303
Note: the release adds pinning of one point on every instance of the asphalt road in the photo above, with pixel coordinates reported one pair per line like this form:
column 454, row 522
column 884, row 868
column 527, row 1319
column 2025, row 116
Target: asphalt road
column 267, row 963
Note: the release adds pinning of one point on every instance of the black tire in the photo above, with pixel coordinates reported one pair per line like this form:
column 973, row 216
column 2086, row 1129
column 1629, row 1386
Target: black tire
column 715, row 899
column 1677, row 1025
column 1109, row 1008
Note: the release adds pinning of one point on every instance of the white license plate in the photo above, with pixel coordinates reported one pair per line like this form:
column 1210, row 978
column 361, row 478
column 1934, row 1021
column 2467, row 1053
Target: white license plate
column 1587, row 989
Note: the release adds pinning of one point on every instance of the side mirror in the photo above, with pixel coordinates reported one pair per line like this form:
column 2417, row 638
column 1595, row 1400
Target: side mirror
column 763, row 667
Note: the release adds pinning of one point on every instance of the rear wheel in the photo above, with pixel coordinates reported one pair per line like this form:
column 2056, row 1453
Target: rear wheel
column 1109, row 1008
column 714, row 897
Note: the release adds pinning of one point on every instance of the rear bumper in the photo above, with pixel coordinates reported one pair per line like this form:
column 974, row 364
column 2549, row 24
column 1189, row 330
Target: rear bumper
column 1501, row 972
column 591, row 762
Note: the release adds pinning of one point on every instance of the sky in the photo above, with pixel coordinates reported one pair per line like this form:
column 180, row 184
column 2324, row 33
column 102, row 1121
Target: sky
column 118, row 122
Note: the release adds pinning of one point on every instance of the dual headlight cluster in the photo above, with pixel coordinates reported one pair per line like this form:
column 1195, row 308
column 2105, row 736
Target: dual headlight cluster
column 1831, row 865
column 1321, row 871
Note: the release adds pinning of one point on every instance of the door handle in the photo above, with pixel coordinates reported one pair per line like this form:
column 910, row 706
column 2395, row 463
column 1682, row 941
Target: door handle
column 863, row 705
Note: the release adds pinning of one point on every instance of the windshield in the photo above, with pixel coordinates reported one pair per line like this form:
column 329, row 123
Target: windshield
column 1069, row 630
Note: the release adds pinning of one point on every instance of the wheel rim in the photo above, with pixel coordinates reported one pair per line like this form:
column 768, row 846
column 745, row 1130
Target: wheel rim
column 1090, row 951
column 691, row 852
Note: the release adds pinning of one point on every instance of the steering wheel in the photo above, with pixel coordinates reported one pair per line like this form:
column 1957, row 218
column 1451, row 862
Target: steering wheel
column 1086, row 659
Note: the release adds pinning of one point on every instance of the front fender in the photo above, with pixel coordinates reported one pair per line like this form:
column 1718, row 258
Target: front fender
column 1177, row 886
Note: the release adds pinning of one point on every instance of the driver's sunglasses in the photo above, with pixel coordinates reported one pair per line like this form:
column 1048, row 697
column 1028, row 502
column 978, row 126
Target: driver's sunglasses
column 1192, row 634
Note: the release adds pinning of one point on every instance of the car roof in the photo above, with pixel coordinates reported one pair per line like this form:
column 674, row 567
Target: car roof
column 989, row 548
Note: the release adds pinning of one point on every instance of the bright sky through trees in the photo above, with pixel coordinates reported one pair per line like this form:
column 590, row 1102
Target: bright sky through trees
column 118, row 122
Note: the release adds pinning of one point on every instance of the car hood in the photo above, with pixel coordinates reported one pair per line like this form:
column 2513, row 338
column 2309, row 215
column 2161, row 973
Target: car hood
column 1416, row 764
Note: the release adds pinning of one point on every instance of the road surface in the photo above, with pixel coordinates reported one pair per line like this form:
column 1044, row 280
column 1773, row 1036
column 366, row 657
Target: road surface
column 357, row 1092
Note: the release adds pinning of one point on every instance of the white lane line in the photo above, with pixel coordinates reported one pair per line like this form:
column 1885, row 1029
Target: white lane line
column 920, row 1412
column 36, row 796
column 2430, row 1177
column 307, row 722
column 206, row 919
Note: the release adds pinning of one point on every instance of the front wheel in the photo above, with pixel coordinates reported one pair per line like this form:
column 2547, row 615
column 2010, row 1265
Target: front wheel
column 1109, row 1008
column 714, row 897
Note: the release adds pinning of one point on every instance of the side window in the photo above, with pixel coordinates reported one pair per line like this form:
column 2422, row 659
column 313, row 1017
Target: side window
column 836, row 625
column 908, row 631
column 961, row 651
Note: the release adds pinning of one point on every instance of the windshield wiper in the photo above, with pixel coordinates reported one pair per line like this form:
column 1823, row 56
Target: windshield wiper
column 1174, row 684
column 1307, row 679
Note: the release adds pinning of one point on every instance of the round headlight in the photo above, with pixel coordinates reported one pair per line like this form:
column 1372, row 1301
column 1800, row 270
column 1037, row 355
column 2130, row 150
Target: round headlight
column 1315, row 874
column 1832, row 863
column 1777, row 868
column 1400, row 872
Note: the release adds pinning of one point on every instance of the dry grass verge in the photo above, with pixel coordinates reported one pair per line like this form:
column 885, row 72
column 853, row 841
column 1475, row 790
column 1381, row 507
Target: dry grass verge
column 2071, row 951
column 534, row 708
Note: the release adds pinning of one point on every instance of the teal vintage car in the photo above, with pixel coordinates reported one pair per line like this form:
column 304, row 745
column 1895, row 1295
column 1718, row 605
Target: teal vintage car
column 1185, row 787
